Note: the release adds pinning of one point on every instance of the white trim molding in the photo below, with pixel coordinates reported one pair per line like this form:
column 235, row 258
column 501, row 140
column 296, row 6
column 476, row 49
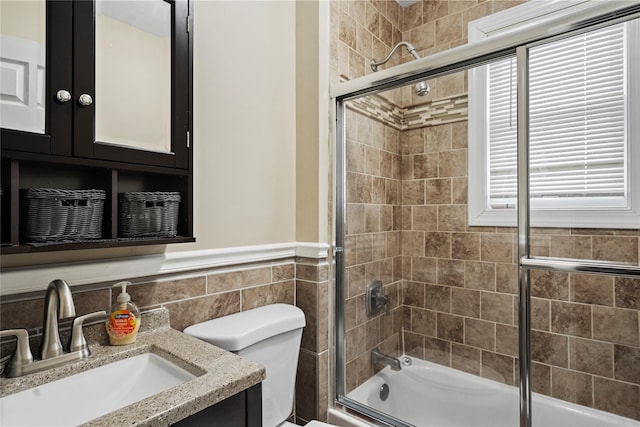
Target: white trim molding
column 312, row 250
column 35, row 278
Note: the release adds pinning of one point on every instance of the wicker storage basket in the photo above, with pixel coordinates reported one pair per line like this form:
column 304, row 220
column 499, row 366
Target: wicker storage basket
column 54, row 215
column 149, row 214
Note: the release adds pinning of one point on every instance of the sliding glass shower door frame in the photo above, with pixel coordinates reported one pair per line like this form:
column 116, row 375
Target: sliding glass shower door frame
column 340, row 218
column 461, row 59
column 524, row 236
column 526, row 262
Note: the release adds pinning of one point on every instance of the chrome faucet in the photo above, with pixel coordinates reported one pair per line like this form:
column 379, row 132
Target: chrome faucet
column 379, row 357
column 58, row 304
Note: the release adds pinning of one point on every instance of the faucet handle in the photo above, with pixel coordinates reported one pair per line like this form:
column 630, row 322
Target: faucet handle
column 22, row 355
column 376, row 300
column 78, row 342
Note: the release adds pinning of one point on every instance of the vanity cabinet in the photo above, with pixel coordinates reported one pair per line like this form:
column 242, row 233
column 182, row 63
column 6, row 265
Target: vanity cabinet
column 104, row 104
column 240, row 410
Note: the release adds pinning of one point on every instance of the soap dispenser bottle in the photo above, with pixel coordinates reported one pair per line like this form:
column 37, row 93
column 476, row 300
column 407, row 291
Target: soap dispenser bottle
column 124, row 320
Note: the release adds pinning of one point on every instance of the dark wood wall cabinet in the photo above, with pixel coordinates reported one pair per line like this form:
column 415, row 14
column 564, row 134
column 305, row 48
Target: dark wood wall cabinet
column 116, row 100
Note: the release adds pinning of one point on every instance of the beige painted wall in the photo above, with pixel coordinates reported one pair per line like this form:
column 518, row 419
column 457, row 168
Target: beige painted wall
column 312, row 121
column 244, row 124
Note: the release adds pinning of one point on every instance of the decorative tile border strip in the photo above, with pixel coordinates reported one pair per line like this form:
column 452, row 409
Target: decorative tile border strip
column 441, row 111
column 379, row 108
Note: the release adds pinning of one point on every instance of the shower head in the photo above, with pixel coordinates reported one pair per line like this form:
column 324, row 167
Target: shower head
column 421, row 88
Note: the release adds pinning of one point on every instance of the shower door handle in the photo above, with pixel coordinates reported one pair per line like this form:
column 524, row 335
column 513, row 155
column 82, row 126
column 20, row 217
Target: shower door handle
column 580, row 266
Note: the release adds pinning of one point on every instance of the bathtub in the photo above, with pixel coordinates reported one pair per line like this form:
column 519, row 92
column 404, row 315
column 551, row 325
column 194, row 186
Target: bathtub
column 426, row 394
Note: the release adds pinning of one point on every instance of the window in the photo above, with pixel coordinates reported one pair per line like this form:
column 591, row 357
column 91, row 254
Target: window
column 584, row 146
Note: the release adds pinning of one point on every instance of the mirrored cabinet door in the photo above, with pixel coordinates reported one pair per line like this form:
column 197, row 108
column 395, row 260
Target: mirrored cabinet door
column 133, row 74
column 104, row 79
column 132, row 81
column 36, row 75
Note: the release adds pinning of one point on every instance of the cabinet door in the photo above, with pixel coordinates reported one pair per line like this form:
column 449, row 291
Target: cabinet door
column 132, row 81
column 36, row 63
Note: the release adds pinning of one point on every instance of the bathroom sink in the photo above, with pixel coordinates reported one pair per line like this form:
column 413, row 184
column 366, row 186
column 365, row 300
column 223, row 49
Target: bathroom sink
column 88, row 395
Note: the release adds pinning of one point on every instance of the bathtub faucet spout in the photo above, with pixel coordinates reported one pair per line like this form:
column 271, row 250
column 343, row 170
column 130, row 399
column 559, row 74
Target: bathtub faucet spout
column 379, row 357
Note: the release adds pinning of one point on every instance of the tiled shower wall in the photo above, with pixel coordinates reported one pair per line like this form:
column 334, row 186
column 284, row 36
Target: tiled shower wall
column 205, row 295
column 372, row 242
column 406, row 223
column 460, row 289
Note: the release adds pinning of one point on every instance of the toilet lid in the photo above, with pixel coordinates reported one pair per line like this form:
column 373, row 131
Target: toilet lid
column 240, row 330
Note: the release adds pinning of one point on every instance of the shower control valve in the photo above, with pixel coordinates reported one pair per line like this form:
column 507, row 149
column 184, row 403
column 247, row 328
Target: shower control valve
column 376, row 300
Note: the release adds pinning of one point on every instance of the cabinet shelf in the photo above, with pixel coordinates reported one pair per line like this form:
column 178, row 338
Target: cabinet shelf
column 24, row 171
column 82, row 162
column 98, row 244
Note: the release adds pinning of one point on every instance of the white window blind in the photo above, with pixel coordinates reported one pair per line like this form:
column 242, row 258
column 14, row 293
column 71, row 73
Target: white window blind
column 578, row 145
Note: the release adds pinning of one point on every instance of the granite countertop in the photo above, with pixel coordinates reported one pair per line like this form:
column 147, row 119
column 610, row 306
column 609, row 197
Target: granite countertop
column 219, row 374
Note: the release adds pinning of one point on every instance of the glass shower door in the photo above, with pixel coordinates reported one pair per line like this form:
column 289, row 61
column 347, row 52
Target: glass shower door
column 429, row 318
column 580, row 243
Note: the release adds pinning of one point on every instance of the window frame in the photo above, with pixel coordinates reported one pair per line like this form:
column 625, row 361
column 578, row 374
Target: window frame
column 480, row 213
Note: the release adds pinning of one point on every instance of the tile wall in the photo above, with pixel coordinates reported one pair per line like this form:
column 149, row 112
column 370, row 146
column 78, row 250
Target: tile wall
column 460, row 289
column 312, row 296
column 214, row 293
column 372, row 242
column 454, row 287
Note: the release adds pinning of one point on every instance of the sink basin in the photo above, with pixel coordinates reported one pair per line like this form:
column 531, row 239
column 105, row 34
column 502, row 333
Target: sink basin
column 88, row 395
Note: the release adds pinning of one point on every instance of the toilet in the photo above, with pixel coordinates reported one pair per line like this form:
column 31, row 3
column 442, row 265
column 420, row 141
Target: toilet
column 270, row 336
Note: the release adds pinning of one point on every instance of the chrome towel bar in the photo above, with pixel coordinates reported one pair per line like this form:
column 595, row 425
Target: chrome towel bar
column 580, row 266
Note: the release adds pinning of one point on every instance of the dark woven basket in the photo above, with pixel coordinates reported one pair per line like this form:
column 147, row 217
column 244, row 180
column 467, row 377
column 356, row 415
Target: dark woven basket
column 149, row 214
column 54, row 214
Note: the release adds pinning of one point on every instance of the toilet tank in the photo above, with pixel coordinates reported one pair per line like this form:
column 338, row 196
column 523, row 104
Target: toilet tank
column 270, row 336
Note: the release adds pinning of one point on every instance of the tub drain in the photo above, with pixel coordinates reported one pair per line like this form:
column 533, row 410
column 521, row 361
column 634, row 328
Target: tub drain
column 384, row 392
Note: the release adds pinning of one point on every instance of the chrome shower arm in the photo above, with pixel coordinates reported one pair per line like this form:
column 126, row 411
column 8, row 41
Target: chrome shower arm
column 410, row 48
column 421, row 88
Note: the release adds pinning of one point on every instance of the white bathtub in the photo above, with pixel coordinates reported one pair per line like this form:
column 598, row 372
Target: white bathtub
column 426, row 394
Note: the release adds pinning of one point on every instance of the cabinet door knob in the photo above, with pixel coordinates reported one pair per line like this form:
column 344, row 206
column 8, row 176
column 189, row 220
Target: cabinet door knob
column 85, row 100
column 63, row 95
